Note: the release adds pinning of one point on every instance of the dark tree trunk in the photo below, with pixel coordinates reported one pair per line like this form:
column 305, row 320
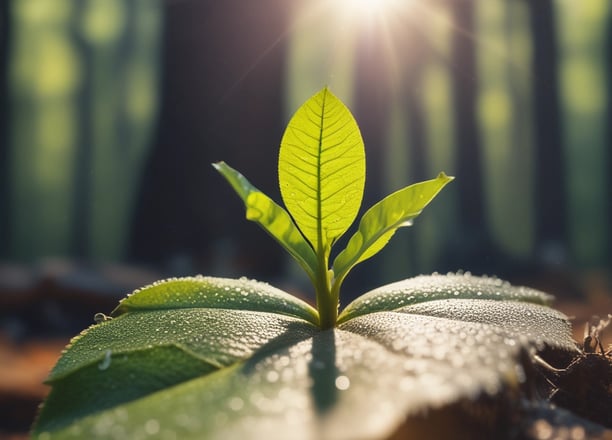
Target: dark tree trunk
column 472, row 216
column 80, row 236
column 472, row 246
column 609, row 131
column 550, row 190
column 5, row 183
column 221, row 99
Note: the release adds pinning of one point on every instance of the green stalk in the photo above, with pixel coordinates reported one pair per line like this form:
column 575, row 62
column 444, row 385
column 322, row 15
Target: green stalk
column 327, row 302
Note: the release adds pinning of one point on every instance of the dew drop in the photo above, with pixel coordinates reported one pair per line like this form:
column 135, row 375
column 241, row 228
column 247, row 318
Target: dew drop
column 342, row 383
column 151, row 427
column 272, row 376
column 106, row 361
column 236, row 404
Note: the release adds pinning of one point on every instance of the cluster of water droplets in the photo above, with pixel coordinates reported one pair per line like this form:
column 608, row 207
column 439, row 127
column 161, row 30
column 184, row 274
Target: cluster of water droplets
column 212, row 292
column 460, row 285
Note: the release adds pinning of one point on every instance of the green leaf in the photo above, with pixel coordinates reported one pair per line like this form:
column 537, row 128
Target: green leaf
column 216, row 373
column 274, row 219
column 213, row 292
column 321, row 169
column 381, row 221
column 168, row 333
column 439, row 287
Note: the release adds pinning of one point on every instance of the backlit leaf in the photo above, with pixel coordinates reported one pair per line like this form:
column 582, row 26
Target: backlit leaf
column 321, row 169
column 381, row 221
column 275, row 220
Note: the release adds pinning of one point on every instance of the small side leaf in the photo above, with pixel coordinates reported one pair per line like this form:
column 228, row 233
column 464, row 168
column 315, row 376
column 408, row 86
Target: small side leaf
column 274, row 219
column 321, row 169
column 381, row 221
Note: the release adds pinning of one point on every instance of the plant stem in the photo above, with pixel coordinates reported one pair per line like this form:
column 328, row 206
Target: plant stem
column 327, row 303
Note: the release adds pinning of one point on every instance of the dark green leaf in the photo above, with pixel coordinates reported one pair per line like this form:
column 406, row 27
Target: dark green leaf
column 217, row 373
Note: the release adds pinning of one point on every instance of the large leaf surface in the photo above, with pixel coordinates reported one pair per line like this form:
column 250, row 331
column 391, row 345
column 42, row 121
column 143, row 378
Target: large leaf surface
column 271, row 217
column 321, row 169
column 219, row 373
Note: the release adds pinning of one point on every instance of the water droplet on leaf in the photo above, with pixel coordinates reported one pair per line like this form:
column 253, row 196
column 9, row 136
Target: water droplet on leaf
column 106, row 361
column 342, row 383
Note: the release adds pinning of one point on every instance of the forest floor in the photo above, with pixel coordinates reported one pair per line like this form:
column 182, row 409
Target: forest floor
column 26, row 357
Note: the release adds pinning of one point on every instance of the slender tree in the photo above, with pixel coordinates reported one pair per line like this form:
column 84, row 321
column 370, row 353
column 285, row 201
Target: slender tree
column 5, row 183
column 465, row 89
column 608, row 46
column 550, row 191
column 82, row 172
column 473, row 246
column 221, row 99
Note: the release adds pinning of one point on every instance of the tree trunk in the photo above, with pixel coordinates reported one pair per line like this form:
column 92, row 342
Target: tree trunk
column 222, row 84
column 472, row 245
column 5, row 182
column 81, row 233
column 609, row 129
column 550, row 191
column 465, row 88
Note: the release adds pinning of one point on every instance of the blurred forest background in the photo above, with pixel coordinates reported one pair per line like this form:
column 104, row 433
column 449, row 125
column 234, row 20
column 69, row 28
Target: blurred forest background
column 111, row 112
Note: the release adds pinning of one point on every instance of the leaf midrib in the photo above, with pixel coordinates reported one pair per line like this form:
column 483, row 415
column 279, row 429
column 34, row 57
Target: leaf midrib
column 320, row 245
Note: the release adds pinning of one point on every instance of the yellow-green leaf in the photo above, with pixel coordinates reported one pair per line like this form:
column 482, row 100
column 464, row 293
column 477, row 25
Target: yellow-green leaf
column 381, row 221
column 274, row 219
column 321, row 169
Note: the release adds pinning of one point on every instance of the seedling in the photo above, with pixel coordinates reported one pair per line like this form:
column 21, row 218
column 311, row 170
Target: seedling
column 321, row 170
column 203, row 357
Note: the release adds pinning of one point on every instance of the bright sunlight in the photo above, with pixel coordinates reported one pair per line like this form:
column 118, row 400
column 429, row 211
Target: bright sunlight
column 370, row 6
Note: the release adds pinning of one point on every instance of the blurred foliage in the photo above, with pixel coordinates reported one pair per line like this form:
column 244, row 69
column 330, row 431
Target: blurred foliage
column 84, row 97
column 82, row 79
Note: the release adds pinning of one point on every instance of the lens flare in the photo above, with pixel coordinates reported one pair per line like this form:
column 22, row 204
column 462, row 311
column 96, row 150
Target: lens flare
column 368, row 6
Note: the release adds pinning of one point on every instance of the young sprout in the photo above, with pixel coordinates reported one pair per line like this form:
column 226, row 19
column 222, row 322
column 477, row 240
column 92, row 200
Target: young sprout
column 321, row 170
